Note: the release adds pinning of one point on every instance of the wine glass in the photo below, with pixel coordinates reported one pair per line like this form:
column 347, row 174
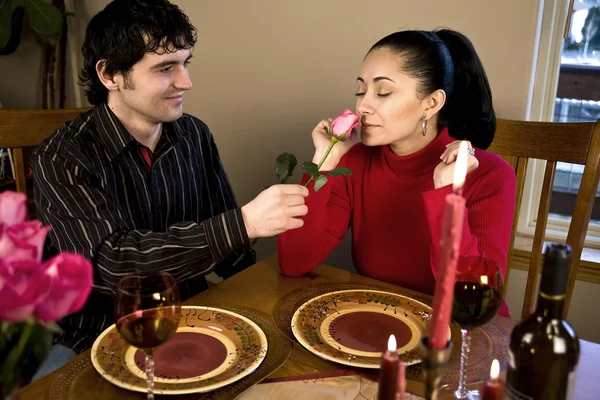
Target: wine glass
column 477, row 298
column 147, row 310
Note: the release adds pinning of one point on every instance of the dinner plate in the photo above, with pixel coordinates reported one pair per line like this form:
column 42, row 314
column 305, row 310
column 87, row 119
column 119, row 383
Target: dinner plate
column 211, row 349
column 352, row 327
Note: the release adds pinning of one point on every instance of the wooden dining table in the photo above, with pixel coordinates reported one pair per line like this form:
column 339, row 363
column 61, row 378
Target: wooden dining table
column 261, row 285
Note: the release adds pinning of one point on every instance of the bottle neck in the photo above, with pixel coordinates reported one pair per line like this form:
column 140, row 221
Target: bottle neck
column 550, row 306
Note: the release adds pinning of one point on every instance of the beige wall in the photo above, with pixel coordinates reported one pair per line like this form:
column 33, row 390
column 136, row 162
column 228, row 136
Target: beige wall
column 265, row 72
column 279, row 67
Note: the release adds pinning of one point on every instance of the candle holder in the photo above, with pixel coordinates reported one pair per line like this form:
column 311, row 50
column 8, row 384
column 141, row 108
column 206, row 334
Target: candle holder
column 434, row 367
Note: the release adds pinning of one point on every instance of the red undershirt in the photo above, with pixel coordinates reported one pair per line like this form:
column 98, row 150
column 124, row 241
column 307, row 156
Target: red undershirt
column 147, row 155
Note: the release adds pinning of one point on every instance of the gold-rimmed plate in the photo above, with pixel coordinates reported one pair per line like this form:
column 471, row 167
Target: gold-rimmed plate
column 211, row 349
column 352, row 327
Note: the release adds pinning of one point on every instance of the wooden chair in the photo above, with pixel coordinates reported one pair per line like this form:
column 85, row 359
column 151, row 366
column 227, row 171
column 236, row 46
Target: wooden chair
column 577, row 143
column 26, row 128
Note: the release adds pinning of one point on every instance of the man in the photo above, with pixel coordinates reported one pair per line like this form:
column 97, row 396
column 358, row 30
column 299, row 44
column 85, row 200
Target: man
column 135, row 184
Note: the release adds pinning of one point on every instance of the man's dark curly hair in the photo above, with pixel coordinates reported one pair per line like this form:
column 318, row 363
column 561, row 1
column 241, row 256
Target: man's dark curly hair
column 126, row 30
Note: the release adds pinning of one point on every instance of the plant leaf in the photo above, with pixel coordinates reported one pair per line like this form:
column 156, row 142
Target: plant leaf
column 49, row 39
column 37, row 347
column 18, row 15
column 340, row 171
column 284, row 166
column 5, row 22
column 310, row 168
column 53, row 327
column 45, row 19
column 320, row 182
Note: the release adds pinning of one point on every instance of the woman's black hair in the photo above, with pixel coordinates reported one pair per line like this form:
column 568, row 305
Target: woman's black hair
column 123, row 32
column 446, row 59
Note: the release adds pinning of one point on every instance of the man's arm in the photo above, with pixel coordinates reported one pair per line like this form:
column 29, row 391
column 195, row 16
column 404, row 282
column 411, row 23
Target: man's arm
column 223, row 197
column 85, row 220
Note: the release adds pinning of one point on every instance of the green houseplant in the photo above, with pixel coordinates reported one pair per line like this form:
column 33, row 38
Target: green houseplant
column 48, row 21
column 45, row 19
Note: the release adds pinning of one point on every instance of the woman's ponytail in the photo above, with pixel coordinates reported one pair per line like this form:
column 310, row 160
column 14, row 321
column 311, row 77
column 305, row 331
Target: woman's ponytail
column 468, row 112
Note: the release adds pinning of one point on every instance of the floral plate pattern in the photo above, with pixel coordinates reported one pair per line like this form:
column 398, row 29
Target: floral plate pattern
column 211, row 349
column 351, row 327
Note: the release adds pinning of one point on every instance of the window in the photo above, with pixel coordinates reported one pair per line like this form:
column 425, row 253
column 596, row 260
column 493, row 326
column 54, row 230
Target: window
column 567, row 89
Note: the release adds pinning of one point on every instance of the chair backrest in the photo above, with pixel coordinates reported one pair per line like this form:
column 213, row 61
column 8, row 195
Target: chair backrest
column 576, row 143
column 27, row 128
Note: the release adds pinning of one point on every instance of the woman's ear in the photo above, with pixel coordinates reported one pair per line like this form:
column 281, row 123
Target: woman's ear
column 433, row 103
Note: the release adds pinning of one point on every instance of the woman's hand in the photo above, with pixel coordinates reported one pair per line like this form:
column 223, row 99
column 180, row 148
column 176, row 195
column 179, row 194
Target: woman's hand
column 444, row 172
column 321, row 141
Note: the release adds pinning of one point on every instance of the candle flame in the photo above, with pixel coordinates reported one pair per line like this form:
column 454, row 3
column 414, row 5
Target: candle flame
column 392, row 343
column 460, row 169
column 495, row 370
column 483, row 279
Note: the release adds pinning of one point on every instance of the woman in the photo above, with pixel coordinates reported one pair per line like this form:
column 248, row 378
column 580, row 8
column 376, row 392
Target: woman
column 418, row 92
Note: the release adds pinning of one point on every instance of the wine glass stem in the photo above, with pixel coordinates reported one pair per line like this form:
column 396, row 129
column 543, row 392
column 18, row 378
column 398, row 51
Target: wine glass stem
column 465, row 348
column 150, row 373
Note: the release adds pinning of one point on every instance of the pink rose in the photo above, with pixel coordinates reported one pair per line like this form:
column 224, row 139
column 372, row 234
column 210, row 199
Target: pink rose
column 23, row 285
column 342, row 125
column 23, row 240
column 70, row 284
column 12, row 208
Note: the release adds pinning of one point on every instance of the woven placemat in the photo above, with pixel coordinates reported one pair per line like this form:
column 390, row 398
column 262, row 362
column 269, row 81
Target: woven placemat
column 79, row 379
column 487, row 343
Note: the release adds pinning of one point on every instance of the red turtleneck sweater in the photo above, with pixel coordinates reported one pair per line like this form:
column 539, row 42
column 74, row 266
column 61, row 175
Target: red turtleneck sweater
column 396, row 215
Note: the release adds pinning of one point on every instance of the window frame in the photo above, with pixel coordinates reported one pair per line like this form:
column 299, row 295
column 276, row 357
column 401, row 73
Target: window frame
column 542, row 101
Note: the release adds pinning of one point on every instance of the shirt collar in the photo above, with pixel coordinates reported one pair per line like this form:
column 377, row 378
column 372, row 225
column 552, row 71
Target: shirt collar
column 115, row 137
column 111, row 131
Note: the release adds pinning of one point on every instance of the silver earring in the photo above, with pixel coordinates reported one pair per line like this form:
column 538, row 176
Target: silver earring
column 424, row 127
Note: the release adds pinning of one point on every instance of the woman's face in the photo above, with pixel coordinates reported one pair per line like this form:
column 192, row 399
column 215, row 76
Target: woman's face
column 387, row 101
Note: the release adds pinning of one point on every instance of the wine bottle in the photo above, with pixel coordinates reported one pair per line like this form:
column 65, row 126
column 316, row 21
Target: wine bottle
column 544, row 349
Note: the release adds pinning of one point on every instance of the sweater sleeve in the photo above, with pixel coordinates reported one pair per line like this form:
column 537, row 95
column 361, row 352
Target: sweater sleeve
column 488, row 217
column 329, row 210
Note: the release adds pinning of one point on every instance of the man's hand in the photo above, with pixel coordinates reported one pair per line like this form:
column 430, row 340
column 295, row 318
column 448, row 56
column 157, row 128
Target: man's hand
column 275, row 210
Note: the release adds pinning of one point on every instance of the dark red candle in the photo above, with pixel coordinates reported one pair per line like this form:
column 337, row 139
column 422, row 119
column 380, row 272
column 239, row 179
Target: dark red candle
column 388, row 375
column 493, row 388
column 446, row 275
column 401, row 380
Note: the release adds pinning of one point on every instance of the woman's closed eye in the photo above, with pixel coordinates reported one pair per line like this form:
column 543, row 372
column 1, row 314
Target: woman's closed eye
column 358, row 94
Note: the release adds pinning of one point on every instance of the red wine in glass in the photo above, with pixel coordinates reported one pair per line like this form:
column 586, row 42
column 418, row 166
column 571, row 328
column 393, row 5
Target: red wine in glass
column 477, row 299
column 475, row 304
column 147, row 329
column 147, row 309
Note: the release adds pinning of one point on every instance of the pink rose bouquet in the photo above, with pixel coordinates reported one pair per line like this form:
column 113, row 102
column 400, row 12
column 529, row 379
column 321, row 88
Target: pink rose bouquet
column 340, row 130
column 33, row 294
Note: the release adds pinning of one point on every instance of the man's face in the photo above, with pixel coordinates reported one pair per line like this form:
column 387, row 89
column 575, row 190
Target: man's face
column 154, row 87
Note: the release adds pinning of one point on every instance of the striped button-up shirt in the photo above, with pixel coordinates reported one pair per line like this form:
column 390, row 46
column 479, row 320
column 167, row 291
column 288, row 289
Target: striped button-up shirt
column 104, row 200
